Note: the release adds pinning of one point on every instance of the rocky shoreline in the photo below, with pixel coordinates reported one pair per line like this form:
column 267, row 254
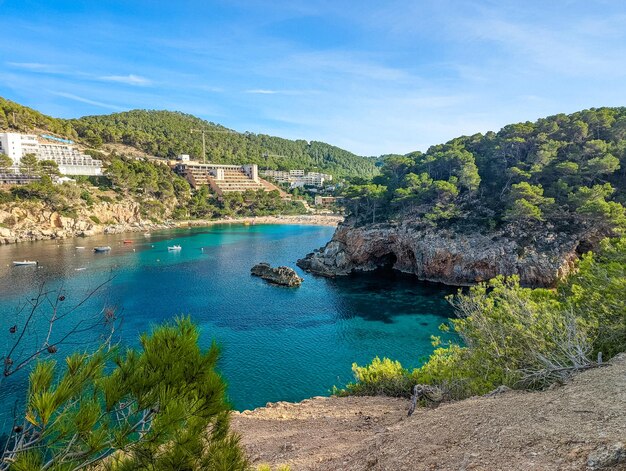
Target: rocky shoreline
column 539, row 257
column 33, row 222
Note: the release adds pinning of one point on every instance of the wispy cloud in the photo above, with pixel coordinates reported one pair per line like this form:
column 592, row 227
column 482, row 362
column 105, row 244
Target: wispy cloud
column 266, row 91
column 87, row 101
column 36, row 67
column 262, row 91
column 130, row 79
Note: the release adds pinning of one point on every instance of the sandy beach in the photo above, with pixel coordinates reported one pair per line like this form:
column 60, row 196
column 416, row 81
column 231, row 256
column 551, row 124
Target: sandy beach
column 297, row 219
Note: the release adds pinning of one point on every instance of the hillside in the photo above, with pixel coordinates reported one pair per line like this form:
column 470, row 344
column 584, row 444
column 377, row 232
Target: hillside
column 168, row 133
column 525, row 200
column 579, row 426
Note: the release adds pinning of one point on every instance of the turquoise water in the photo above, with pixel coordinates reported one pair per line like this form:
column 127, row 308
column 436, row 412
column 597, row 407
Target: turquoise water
column 278, row 343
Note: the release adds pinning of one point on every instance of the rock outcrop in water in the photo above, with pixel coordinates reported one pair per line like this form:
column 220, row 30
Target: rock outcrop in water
column 283, row 276
column 452, row 257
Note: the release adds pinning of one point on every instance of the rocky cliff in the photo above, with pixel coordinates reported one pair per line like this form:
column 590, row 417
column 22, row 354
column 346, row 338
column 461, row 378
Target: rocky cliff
column 539, row 257
column 27, row 221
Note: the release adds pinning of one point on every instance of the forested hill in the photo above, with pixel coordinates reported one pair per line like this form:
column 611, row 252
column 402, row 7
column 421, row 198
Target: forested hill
column 564, row 171
column 167, row 134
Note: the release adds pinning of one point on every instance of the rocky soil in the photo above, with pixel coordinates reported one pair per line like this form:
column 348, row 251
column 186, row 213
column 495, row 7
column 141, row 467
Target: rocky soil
column 451, row 257
column 579, row 426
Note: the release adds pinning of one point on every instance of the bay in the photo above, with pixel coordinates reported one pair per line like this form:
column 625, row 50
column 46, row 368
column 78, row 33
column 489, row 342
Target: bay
column 278, row 343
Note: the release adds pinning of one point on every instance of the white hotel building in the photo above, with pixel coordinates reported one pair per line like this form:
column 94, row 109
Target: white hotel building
column 69, row 159
column 298, row 178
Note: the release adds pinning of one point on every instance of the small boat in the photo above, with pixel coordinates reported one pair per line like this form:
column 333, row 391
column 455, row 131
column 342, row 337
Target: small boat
column 101, row 249
column 128, row 241
column 25, row 262
column 147, row 234
column 80, row 269
column 246, row 223
column 174, row 248
column 78, row 247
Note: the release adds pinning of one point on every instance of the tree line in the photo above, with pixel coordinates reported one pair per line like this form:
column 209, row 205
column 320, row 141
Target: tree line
column 564, row 170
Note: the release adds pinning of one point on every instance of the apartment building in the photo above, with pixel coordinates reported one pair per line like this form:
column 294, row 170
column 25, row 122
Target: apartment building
column 69, row 159
column 298, row 178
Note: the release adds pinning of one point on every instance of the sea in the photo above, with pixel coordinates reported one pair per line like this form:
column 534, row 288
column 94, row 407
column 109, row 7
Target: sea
column 278, row 344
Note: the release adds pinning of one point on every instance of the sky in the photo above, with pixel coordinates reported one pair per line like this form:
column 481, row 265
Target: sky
column 373, row 77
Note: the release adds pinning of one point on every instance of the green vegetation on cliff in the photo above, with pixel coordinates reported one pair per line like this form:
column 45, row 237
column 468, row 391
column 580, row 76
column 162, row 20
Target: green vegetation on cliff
column 519, row 337
column 564, row 170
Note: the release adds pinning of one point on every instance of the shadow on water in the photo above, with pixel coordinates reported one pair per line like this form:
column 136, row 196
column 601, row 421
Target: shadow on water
column 384, row 294
column 278, row 343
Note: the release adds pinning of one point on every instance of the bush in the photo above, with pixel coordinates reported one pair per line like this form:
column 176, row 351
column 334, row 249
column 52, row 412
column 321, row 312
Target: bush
column 95, row 219
column 86, row 197
column 380, row 378
column 519, row 337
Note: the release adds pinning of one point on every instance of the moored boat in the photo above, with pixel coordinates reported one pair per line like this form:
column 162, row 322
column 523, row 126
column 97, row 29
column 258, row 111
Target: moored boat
column 174, row 248
column 102, row 248
column 127, row 242
column 18, row 263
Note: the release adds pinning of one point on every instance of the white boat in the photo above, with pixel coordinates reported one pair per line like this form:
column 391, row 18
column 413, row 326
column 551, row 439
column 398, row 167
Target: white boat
column 18, row 263
column 147, row 234
column 79, row 247
column 174, row 248
column 102, row 248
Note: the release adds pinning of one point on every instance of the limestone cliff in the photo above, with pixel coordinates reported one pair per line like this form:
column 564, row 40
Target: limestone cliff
column 35, row 221
column 458, row 258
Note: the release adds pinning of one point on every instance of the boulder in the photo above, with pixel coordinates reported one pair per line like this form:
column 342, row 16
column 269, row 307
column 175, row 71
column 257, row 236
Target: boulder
column 607, row 456
column 283, row 276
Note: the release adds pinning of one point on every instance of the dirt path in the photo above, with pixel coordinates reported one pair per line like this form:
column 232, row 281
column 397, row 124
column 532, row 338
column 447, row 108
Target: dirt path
column 579, row 426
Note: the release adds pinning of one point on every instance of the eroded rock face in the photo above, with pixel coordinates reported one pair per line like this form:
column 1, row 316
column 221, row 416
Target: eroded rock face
column 283, row 276
column 450, row 257
column 34, row 221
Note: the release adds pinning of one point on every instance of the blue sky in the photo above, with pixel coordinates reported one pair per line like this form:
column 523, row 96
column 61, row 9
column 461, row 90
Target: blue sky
column 370, row 76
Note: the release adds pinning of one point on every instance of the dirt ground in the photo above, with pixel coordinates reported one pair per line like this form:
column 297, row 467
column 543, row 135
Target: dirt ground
column 578, row 426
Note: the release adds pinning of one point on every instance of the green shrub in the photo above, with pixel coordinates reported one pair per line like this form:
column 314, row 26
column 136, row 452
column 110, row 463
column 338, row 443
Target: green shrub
column 519, row 337
column 86, row 197
column 380, row 378
column 95, row 219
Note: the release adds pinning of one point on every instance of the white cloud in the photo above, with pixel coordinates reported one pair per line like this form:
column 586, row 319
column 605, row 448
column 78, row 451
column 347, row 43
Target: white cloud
column 36, row 67
column 80, row 99
column 130, row 79
column 265, row 91
column 262, row 91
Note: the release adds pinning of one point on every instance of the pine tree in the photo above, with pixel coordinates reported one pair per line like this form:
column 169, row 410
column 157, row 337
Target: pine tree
column 161, row 407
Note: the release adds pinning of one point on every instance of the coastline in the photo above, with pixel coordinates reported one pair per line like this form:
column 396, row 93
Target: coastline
column 294, row 219
column 46, row 231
